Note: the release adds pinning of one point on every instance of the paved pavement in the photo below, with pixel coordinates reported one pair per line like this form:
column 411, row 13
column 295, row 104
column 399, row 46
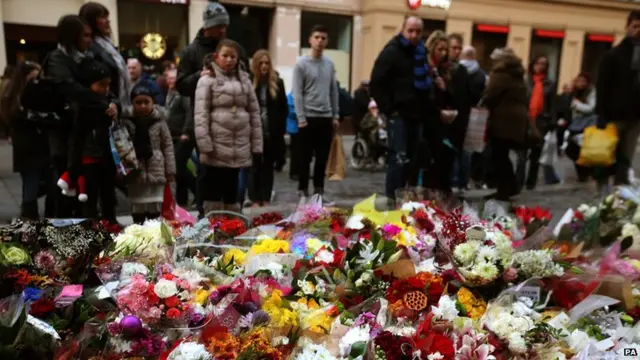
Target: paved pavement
column 356, row 186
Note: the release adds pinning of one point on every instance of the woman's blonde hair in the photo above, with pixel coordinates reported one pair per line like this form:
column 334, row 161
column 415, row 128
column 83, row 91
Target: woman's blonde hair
column 272, row 77
column 436, row 37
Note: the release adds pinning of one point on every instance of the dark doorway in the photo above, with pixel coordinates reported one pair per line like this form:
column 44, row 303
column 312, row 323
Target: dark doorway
column 250, row 26
column 486, row 38
column 28, row 42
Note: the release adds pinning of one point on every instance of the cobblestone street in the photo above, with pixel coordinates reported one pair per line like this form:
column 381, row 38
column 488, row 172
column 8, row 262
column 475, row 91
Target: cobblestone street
column 356, row 186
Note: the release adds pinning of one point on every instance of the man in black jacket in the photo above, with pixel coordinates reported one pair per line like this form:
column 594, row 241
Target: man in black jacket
column 190, row 68
column 361, row 99
column 618, row 93
column 401, row 85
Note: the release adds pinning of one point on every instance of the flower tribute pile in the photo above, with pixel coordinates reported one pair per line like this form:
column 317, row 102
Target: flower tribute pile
column 425, row 282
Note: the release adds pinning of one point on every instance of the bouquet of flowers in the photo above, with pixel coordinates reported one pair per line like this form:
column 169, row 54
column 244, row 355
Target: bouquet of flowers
column 149, row 243
column 226, row 228
column 532, row 218
column 410, row 297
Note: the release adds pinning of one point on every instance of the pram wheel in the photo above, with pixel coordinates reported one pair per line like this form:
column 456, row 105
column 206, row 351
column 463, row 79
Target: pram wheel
column 359, row 154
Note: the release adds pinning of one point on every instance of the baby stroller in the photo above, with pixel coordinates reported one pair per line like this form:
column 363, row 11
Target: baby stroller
column 370, row 146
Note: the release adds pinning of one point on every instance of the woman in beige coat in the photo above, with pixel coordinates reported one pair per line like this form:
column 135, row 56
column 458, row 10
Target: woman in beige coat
column 227, row 127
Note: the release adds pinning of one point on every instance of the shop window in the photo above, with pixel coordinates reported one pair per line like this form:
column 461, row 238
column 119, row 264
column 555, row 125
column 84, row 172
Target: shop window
column 595, row 46
column 250, row 26
column 28, row 42
column 431, row 25
column 339, row 46
column 485, row 39
column 137, row 19
column 548, row 43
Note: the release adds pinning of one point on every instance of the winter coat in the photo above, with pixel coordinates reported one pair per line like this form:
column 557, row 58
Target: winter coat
column 154, row 171
column 64, row 70
column 547, row 119
column 180, row 117
column 507, row 101
column 30, row 143
column 228, row 128
column 277, row 113
column 586, row 107
column 477, row 80
column 392, row 84
column 191, row 63
column 618, row 85
column 105, row 58
column 292, row 119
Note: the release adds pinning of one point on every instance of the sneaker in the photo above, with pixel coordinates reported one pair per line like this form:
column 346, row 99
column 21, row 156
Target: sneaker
column 247, row 203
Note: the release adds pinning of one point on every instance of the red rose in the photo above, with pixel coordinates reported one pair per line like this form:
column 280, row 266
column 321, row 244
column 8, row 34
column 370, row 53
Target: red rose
column 417, row 283
column 442, row 344
column 42, row 307
column 172, row 301
column 168, row 276
column 338, row 257
column 173, row 313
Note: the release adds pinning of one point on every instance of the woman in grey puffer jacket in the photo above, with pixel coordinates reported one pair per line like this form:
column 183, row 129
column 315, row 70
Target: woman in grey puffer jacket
column 228, row 128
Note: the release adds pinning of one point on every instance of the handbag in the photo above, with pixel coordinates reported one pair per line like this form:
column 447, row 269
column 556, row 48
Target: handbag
column 474, row 140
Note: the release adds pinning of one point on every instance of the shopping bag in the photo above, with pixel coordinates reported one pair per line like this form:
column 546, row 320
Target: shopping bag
column 599, row 146
column 122, row 150
column 336, row 163
column 474, row 141
column 549, row 154
column 171, row 210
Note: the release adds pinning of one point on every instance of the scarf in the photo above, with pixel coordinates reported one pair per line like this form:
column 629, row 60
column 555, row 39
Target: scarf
column 536, row 103
column 123, row 73
column 76, row 55
column 421, row 79
column 141, row 138
column 472, row 66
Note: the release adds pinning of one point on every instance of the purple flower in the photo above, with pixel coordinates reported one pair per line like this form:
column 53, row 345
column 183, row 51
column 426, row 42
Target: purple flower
column 299, row 243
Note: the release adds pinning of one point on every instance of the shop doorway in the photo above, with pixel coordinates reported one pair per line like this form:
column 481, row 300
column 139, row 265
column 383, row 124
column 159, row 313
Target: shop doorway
column 595, row 46
column 548, row 43
column 28, row 42
column 485, row 39
column 152, row 32
column 250, row 27
column 431, row 25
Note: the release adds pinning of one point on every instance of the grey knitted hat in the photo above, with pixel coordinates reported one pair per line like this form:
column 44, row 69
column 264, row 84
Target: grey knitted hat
column 215, row 14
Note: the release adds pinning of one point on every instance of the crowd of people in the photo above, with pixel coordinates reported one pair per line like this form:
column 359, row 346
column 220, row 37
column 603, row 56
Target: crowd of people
column 425, row 92
column 215, row 123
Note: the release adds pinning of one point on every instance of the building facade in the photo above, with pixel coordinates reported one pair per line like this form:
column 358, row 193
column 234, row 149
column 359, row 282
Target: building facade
column 573, row 34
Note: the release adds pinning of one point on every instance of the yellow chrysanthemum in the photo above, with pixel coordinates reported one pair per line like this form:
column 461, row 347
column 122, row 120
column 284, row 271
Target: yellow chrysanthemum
column 237, row 255
column 280, row 316
column 201, row 296
column 270, row 246
column 313, row 245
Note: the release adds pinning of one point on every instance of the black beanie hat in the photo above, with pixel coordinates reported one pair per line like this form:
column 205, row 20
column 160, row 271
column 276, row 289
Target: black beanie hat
column 92, row 71
column 141, row 88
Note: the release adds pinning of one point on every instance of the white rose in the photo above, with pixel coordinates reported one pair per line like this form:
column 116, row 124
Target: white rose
column 165, row 288
column 325, row 256
column 517, row 344
column 578, row 340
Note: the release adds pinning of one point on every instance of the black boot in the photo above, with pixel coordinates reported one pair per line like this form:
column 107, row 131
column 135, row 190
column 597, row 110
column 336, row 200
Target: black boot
column 29, row 211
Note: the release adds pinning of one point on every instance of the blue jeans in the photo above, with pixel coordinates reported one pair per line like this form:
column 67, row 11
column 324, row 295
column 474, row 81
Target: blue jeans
column 550, row 175
column 242, row 185
column 404, row 141
column 461, row 169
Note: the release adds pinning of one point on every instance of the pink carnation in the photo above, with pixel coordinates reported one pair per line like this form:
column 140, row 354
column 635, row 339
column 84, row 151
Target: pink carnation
column 389, row 231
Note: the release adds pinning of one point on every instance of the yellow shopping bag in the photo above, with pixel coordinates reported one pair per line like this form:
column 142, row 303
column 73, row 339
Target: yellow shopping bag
column 599, row 146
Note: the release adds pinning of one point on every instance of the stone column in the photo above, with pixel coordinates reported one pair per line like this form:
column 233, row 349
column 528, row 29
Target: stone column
column 357, row 47
column 112, row 6
column 571, row 59
column 462, row 27
column 284, row 41
column 520, row 41
column 196, row 9
column 378, row 27
column 3, row 43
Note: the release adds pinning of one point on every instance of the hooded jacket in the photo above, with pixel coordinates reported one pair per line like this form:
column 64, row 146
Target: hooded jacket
column 507, row 101
column 191, row 61
column 228, row 128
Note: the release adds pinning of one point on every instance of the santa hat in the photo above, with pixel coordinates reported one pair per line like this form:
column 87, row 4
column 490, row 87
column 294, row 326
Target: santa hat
column 67, row 190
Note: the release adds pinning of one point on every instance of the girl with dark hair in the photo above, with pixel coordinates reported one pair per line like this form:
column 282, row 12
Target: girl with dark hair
column 29, row 141
column 96, row 16
column 542, row 95
column 228, row 129
column 64, row 66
